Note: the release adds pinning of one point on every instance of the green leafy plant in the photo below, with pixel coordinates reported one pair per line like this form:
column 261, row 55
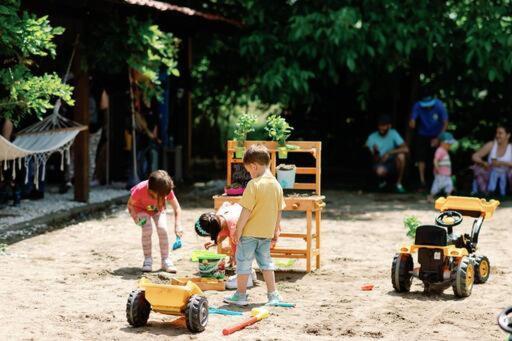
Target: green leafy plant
column 23, row 37
column 278, row 129
column 149, row 49
column 411, row 224
column 140, row 45
column 244, row 126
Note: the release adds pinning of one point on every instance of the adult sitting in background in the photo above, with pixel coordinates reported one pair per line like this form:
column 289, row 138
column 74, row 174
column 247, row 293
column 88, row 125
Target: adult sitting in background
column 430, row 117
column 388, row 149
column 493, row 164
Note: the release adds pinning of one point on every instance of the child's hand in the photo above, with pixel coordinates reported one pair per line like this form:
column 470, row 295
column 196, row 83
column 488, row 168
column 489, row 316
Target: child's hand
column 208, row 245
column 273, row 243
column 178, row 230
column 236, row 237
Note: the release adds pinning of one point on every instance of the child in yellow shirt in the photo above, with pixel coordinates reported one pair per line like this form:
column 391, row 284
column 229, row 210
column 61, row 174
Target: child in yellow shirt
column 258, row 225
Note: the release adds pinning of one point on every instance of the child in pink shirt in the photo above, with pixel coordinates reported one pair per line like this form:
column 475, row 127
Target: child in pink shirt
column 146, row 203
column 443, row 166
column 219, row 226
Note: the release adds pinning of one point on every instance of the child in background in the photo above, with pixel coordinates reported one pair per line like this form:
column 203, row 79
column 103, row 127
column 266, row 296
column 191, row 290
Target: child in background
column 443, row 167
column 146, row 203
column 258, row 225
column 219, row 226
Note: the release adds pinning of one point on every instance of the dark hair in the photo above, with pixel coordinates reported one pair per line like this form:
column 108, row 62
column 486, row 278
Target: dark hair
column 208, row 224
column 384, row 119
column 504, row 127
column 426, row 91
column 160, row 182
column 257, row 153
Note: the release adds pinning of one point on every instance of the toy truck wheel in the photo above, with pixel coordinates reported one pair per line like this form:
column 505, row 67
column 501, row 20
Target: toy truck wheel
column 137, row 309
column 196, row 313
column 401, row 276
column 482, row 269
column 464, row 278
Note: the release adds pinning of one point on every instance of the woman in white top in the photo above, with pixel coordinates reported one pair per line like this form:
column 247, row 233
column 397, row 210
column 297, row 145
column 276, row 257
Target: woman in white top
column 493, row 163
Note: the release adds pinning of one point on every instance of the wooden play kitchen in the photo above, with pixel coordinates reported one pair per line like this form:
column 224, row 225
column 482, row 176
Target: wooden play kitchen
column 311, row 203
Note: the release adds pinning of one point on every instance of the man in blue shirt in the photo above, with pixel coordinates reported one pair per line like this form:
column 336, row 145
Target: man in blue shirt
column 429, row 118
column 388, row 149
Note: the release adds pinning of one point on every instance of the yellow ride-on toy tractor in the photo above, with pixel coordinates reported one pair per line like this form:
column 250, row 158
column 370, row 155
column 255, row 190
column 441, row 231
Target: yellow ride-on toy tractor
column 446, row 258
column 179, row 300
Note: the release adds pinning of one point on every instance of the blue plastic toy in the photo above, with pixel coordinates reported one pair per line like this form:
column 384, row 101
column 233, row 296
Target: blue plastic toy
column 281, row 304
column 177, row 244
column 213, row 310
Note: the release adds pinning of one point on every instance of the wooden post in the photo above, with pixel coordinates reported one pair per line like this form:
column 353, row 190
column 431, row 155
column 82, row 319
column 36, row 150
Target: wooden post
column 309, row 219
column 189, row 102
column 318, row 219
column 81, row 145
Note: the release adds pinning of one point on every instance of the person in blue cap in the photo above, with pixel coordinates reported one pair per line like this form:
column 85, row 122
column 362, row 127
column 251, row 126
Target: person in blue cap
column 388, row 149
column 430, row 118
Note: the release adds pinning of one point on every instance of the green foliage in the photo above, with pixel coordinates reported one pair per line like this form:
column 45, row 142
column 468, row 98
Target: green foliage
column 244, row 125
column 278, row 129
column 140, row 45
column 149, row 49
column 411, row 224
column 23, row 37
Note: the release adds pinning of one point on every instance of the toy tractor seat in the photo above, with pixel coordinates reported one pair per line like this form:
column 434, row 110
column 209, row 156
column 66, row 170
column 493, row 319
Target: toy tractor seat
column 431, row 235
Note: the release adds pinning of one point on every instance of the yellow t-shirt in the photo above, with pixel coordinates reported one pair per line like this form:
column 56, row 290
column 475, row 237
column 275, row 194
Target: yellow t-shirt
column 263, row 196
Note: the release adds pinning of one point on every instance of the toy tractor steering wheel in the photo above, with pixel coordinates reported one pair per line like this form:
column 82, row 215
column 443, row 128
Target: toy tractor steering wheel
column 449, row 219
column 505, row 321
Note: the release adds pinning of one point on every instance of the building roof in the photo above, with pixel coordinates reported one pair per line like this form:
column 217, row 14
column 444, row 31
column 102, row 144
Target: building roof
column 164, row 7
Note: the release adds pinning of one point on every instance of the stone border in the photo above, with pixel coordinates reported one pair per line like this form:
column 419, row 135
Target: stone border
column 55, row 220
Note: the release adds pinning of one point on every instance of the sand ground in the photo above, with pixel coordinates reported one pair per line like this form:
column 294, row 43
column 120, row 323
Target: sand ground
column 73, row 283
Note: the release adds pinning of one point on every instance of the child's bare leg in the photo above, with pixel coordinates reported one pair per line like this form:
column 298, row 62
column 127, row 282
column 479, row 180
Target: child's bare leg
column 161, row 229
column 147, row 231
column 241, row 281
column 270, row 280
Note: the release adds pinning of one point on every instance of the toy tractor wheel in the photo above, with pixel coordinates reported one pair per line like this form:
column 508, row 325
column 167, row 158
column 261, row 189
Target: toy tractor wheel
column 464, row 278
column 137, row 309
column 482, row 269
column 401, row 276
column 196, row 313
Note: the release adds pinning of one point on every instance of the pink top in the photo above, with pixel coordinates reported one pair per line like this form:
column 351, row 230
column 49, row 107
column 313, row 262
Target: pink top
column 143, row 202
column 230, row 212
column 444, row 165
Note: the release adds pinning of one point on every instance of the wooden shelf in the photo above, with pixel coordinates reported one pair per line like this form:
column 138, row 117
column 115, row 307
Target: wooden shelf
column 311, row 205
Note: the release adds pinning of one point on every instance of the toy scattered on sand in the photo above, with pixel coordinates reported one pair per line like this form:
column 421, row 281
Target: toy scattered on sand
column 446, row 258
column 179, row 300
column 505, row 322
column 367, row 287
column 281, row 304
column 212, row 266
column 257, row 314
column 213, row 310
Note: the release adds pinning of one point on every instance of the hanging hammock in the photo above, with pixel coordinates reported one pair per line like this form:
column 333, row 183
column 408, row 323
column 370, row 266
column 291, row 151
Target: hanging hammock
column 37, row 142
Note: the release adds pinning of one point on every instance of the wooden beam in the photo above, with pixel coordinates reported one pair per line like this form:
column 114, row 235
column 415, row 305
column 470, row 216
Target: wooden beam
column 189, row 102
column 81, row 145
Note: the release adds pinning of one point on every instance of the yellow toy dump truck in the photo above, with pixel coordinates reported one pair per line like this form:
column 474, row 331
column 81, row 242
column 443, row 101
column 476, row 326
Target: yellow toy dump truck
column 179, row 300
column 446, row 258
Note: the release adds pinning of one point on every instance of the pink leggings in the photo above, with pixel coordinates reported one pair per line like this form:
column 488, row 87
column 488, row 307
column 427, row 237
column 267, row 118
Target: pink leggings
column 147, row 230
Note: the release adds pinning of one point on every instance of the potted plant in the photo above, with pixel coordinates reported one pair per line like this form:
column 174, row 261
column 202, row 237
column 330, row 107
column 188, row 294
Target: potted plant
column 279, row 130
column 245, row 125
